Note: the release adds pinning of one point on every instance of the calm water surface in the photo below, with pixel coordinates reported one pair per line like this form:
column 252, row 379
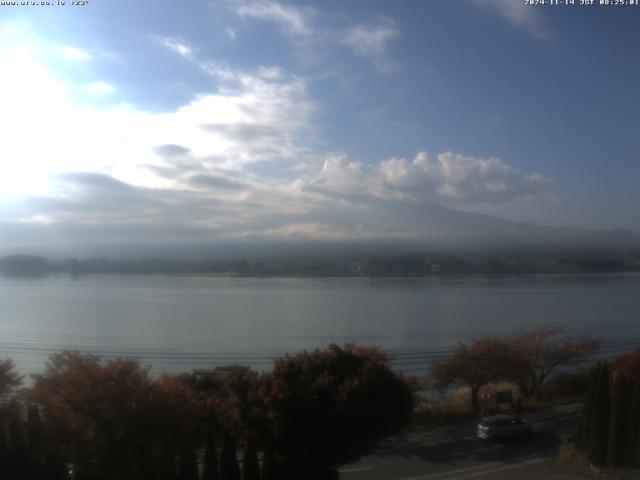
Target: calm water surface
column 181, row 323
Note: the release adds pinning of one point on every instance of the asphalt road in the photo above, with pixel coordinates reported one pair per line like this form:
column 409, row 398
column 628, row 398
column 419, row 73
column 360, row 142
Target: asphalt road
column 459, row 455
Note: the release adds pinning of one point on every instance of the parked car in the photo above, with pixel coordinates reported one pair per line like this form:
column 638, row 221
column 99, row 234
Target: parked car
column 502, row 426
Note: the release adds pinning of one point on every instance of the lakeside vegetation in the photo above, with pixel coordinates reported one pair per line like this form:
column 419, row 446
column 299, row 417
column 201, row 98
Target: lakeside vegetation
column 370, row 266
column 86, row 418
column 89, row 419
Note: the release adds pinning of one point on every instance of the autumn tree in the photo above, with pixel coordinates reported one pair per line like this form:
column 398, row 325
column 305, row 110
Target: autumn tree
column 9, row 378
column 330, row 407
column 110, row 418
column 541, row 351
column 475, row 365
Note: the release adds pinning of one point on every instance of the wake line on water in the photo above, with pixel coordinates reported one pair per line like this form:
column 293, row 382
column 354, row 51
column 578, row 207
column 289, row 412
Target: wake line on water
column 408, row 361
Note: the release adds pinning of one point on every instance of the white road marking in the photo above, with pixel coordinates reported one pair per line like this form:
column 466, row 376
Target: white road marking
column 528, row 460
column 450, row 472
column 508, row 467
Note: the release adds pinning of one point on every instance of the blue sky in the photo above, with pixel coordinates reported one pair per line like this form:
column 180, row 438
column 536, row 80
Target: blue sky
column 326, row 120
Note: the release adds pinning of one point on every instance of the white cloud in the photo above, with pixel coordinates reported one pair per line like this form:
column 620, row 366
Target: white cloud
column 293, row 20
column 516, row 13
column 231, row 33
column 371, row 41
column 185, row 172
column 252, row 117
column 76, row 54
column 456, row 180
column 100, row 88
column 176, row 45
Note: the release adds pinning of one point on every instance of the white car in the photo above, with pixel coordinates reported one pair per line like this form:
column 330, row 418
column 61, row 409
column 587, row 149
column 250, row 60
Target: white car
column 502, row 426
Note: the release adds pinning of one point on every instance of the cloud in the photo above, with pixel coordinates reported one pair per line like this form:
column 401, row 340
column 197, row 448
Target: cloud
column 340, row 200
column 293, row 20
column 100, row 88
column 171, row 150
column 238, row 161
column 76, row 54
column 371, row 41
column 216, row 182
column 456, row 180
column 176, row 45
column 517, row 14
column 249, row 117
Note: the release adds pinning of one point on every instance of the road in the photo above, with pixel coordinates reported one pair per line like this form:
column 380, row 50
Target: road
column 456, row 454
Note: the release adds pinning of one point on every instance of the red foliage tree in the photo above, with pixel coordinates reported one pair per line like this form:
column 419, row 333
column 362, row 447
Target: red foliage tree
column 475, row 365
column 540, row 351
column 111, row 419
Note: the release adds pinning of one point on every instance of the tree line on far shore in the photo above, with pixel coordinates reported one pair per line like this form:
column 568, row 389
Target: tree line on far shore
column 341, row 266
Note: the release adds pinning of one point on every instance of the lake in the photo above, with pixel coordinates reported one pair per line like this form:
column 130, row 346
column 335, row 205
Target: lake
column 179, row 323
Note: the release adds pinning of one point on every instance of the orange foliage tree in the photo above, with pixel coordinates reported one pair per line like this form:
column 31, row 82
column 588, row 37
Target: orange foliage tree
column 110, row 419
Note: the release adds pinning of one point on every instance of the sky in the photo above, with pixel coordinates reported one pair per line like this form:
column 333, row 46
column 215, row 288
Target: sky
column 224, row 121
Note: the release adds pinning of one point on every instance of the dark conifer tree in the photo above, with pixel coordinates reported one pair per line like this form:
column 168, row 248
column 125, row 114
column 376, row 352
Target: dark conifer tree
column 4, row 449
column 269, row 465
column 618, row 423
column 18, row 453
column 34, row 428
column 210, row 464
column 250, row 464
column 632, row 458
column 188, row 464
column 229, row 468
column 599, row 430
column 587, row 411
column 36, row 449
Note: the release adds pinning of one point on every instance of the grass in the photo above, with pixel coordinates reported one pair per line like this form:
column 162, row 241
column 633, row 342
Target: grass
column 572, row 457
column 429, row 413
column 456, row 405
